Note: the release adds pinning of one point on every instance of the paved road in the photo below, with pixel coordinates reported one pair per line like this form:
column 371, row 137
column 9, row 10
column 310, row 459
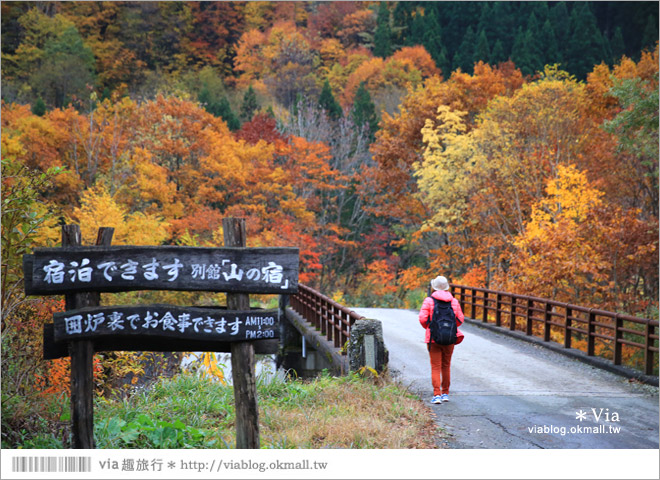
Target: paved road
column 506, row 393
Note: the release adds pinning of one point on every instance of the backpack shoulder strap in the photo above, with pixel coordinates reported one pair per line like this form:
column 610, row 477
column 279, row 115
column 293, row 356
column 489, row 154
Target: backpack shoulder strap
column 436, row 301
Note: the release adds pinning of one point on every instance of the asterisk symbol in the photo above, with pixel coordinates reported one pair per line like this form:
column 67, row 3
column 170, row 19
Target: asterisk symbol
column 581, row 415
column 171, row 465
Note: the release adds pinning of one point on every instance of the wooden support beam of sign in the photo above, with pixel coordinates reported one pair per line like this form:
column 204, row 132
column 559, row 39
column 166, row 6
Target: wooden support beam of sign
column 242, row 354
column 82, row 351
column 53, row 349
column 51, row 271
column 166, row 321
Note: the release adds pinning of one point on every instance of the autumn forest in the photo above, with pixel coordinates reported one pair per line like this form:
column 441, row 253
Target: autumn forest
column 508, row 145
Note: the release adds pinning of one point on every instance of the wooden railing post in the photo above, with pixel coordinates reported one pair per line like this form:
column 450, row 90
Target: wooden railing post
column 529, row 325
column 648, row 353
column 514, row 304
column 462, row 299
column 323, row 317
column 568, row 332
column 332, row 332
column 618, row 336
column 546, row 322
column 498, row 309
column 484, row 312
column 338, row 326
column 591, row 329
column 242, row 354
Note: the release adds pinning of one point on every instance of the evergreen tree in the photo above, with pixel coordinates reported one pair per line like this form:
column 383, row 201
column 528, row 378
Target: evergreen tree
column 498, row 55
column 617, row 45
column 417, row 31
column 443, row 62
column 482, row 50
column 503, row 20
column 68, row 67
column 585, row 48
column 328, row 103
column 249, row 105
column 560, row 20
column 455, row 18
column 219, row 108
column 402, row 21
column 204, row 97
column 464, row 57
column 486, row 23
column 548, row 41
column 541, row 11
column 520, row 53
column 650, row 35
column 534, row 45
column 432, row 40
column 39, row 107
column 223, row 109
column 383, row 34
column 364, row 111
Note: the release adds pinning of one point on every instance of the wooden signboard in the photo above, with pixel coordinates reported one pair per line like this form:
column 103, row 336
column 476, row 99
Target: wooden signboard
column 150, row 343
column 80, row 273
column 51, row 271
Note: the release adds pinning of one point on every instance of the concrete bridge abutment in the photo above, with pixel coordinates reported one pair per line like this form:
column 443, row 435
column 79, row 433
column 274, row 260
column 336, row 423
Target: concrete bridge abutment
column 305, row 352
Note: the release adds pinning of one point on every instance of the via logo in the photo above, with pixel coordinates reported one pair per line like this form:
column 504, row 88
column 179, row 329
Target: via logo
column 599, row 414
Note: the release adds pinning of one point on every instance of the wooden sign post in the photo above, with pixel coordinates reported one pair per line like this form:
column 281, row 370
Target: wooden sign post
column 242, row 354
column 82, row 351
column 81, row 273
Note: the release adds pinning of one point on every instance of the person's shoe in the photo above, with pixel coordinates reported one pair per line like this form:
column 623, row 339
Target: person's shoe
column 444, row 397
column 436, row 399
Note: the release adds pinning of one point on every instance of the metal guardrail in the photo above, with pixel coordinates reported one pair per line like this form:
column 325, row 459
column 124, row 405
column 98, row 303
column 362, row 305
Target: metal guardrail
column 542, row 317
column 332, row 319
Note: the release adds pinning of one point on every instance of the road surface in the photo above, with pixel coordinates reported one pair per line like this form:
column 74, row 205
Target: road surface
column 506, row 393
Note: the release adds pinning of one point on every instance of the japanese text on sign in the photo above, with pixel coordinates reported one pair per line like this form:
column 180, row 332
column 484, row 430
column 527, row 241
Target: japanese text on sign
column 124, row 268
column 58, row 272
column 167, row 321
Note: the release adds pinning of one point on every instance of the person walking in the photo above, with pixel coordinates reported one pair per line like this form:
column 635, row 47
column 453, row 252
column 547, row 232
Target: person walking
column 440, row 355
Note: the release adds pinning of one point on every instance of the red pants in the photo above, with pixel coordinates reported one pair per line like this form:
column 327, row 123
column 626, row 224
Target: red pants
column 440, row 367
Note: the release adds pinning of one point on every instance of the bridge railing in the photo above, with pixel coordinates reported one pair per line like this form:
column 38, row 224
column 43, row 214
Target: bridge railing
column 597, row 332
column 332, row 319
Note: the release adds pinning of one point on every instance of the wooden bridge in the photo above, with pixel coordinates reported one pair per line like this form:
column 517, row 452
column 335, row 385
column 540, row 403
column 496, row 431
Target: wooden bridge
column 617, row 342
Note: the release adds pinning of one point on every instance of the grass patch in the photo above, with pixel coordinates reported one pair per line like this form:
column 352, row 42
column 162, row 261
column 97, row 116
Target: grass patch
column 328, row 412
column 344, row 412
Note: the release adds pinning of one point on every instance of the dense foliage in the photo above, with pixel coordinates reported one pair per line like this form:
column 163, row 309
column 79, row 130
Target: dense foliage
column 503, row 144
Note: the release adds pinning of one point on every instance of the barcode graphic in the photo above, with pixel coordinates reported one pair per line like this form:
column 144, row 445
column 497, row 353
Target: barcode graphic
column 51, row 464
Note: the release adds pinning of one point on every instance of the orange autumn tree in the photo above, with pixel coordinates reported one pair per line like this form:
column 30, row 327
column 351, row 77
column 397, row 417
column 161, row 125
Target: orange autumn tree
column 420, row 58
column 575, row 246
column 47, row 142
column 557, row 253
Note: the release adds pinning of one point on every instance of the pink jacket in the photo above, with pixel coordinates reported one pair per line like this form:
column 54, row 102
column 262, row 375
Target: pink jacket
column 427, row 310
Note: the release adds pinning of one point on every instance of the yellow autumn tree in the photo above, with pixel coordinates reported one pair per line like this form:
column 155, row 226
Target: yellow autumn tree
column 443, row 176
column 99, row 209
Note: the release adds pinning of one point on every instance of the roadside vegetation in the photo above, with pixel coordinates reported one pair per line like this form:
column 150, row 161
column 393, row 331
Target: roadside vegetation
column 193, row 411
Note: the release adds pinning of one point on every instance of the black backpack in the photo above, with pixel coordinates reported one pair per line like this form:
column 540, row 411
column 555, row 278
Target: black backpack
column 443, row 323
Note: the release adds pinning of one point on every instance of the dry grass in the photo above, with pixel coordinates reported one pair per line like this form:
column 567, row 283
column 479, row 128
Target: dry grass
column 347, row 412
